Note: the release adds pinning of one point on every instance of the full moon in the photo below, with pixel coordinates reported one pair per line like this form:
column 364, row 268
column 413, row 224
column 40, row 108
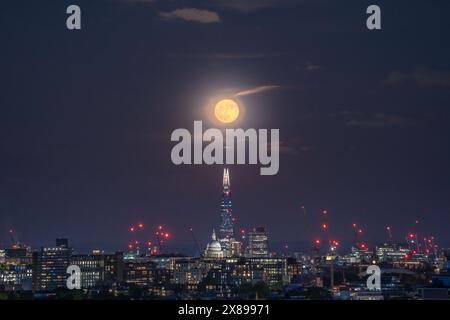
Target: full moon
column 226, row 111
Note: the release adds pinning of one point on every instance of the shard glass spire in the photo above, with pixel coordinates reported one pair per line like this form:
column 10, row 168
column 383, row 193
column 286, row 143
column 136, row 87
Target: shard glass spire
column 226, row 227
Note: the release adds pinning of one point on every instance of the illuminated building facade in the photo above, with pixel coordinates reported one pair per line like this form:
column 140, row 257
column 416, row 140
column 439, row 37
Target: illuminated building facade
column 50, row 266
column 258, row 243
column 139, row 272
column 214, row 248
column 16, row 277
column 226, row 226
column 91, row 267
column 392, row 252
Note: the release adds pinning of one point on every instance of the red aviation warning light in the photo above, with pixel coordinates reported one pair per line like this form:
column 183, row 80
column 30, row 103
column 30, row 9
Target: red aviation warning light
column 140, row 225
column 324, row 226
column 363, row 246
column 132, row 229
column 317, row 241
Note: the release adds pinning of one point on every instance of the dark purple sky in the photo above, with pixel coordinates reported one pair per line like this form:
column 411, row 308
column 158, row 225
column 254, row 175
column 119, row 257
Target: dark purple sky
column 86, row 117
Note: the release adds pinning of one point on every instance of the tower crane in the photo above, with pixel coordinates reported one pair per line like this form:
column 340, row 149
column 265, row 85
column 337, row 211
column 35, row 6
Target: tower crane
column 197, row 244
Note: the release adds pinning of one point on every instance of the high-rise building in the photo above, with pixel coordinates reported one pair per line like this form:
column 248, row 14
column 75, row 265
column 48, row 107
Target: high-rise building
column 258, row 243
column 98, row 269
column 113, row 267
column 16, row 270
column 226, row 226
column 225, row 245
column 275, row 270
column 139, row 271
column 62, row 242
column 50, row 266
column 91, row 267
column 392, row 252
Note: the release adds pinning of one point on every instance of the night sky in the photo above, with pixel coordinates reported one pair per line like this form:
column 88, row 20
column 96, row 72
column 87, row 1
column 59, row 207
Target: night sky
column 86, row 117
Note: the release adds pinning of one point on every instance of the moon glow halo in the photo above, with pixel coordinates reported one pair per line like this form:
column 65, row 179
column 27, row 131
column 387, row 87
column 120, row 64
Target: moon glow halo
column 226, row 111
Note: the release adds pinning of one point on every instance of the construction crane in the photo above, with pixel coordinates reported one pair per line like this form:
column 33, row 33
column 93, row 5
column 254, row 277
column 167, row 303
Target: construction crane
column 14, row 243
column 197, row 244
column 413, row 239
column 355, row 233
column 315, row 248
column 389, row 232
column 161, row 237
column 305, row 215
column 286, row 250
column 358, row 234
column 325, row 226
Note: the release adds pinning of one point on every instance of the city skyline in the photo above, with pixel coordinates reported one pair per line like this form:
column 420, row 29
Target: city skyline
column 140, row 233
column 87, row 117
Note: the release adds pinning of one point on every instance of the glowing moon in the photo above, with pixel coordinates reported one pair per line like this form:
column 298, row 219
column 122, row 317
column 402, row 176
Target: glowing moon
column 226, row 111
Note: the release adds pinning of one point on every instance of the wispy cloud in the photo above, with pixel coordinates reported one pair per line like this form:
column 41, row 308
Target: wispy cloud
column 312, row 66
column 142, row 1
column 421, row 76
column 229, row 55
column 257, row 90
column 360, row 119
column 252, row 5
column 192, row 15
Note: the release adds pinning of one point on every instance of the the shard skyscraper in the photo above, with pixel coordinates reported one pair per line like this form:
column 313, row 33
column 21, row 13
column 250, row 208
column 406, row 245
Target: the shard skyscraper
column 226, row 226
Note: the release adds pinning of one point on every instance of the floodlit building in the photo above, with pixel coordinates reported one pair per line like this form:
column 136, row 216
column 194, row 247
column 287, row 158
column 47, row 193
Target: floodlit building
column 50, row 266
column 91, row 267
column 16, row 277
column 214, row 248
column 392, row 252
column 258, row 243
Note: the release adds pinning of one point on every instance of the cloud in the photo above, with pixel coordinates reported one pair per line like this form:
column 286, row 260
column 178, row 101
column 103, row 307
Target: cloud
column 311, row 66
column 143, row 1
column 192, row 15
column 421, row 76
column 360, row 119
column 253, row 5
column 228, row 55
column 242, row 56
column 243, row 6
column 256, row 90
